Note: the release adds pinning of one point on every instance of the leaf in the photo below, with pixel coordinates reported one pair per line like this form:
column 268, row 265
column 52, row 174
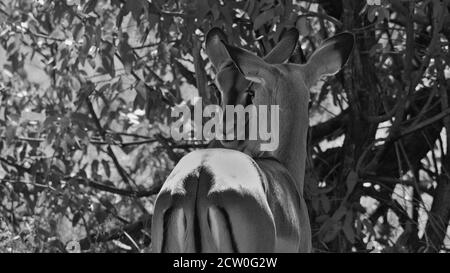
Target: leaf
column 75, row 84
column 90, row 6
column 104, row 88
column 155, row 105
column 140, row 100
column 105, row 165
column 72, row 2
column 85, row 91
column 2, row 115
column 42, row 232
column 64, row 146
column 82, row 120
column 126, row 53
column 76, row 218
column 120, row 16
column 77, row 31
column 105, row 201
column 186, row 73
column 101, row 215
column 94, row 166
column 49, row 151
column 23, row 152
column 136, row 7
column 107, row 53
column 372, row 13
column 121, row 245
column 384, row 14
column 263, row 18
column 10, row 133
column 59, row 164
column 32, row 116
column 108, row 65
column 42, row 198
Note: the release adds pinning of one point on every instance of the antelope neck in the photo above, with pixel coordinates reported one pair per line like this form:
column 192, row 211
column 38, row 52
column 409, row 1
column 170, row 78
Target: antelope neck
column 293, row 129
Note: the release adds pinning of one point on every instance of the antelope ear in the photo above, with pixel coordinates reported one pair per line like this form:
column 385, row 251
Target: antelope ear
column 215, row 48
column 330, row 57
column 253, row 68
column 285, row 47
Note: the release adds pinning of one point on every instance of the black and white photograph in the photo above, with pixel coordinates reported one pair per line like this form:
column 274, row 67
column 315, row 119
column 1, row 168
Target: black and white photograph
column 240, row 128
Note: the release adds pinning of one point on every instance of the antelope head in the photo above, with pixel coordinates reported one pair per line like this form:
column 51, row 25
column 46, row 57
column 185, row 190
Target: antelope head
column 273, row 82
column 234, row 88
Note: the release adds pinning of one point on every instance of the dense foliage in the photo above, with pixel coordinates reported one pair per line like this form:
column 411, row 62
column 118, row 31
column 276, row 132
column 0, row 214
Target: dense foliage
column 86, row 89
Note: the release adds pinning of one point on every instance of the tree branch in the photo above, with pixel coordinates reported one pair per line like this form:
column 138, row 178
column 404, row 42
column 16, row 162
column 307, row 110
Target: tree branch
column 130, row 193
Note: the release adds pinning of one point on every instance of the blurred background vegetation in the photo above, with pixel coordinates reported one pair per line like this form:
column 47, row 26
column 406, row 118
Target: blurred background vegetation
column 86, row 89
